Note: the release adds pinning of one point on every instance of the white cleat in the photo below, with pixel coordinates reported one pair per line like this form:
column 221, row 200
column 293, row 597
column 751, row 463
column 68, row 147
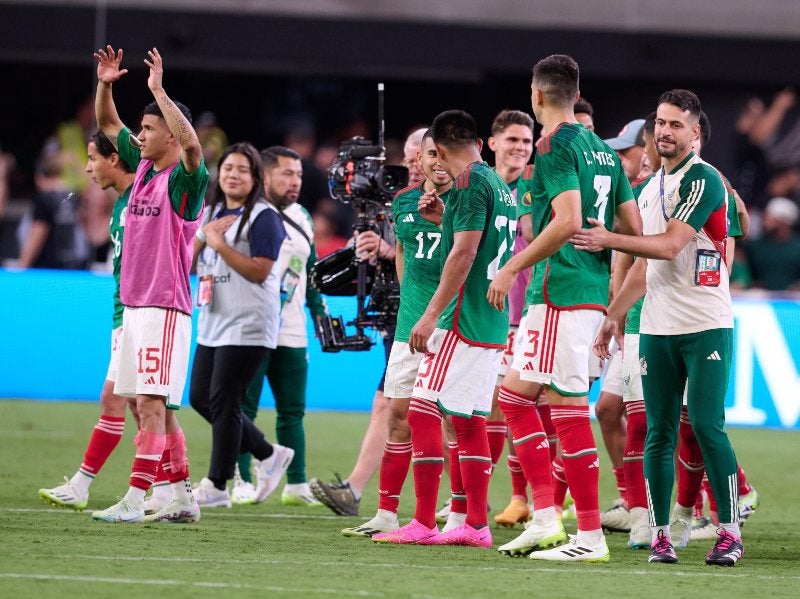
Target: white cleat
column 65, row 495
column 207, row 495
column 535, row 536
column 176, row 512
column 383, row 521
column 617, row 518
column 640, row 537
column 119, row 512
column 680, row 528
column 575, row 551
column 160, row 496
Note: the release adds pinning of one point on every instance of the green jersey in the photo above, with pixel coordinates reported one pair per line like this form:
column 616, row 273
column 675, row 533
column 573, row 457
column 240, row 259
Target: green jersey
column 632, row 322
column 421, row 241
column 116, row 229
column 574, row 158
column 734, row 226
column 186, row 190
column 479, row 201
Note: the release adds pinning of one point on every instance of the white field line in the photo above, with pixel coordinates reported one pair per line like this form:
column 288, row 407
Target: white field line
column 208, row 512
column 188, row 583
column 584, row 569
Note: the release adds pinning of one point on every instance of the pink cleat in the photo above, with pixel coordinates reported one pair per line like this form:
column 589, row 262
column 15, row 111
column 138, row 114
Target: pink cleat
column 464, row 535
column 411, row 534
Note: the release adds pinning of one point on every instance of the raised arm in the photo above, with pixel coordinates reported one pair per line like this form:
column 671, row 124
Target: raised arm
column 108, row 71
column 179, row 125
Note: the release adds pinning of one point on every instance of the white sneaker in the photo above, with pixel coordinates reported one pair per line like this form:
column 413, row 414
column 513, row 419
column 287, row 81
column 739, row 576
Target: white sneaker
column 119, row 512
column 640, row 537
column 177, row 512
column 575, row 551
column 384, row 521
column 617, row 518
column 242, row 492
column 65, row 495
column 299, row 495
column 680, row 527
column 536, row 536
column 207, row 495
column 270, row 471
column 443, row 514
column 160, row 496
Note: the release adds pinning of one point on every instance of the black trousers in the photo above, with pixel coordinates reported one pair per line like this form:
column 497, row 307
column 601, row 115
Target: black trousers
column 219, row 382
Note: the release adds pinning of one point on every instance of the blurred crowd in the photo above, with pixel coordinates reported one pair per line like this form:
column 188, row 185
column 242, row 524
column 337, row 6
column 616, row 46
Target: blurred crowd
column 64, row 224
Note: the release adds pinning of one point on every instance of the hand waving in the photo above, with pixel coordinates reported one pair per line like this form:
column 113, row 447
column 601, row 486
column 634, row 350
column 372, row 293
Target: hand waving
column 108, row 62
column 156, row 64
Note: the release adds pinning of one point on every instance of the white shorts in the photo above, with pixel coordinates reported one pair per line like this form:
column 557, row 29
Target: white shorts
column 401, row 371
column 631, row 369
column 507, row 357
column 555, row 347
column 612, row 377
column 113, row 362
column 154, row 353
column 459, row 377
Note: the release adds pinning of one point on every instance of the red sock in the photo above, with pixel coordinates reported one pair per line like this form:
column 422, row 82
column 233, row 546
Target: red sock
column 580, row 462
column 161, row 476
column 560, row 486
column 105, row 437
column 149, row 448
column 543, row 408
column 476, row 465
column 176, row 464
column 425, row 422
column 458, row 498
column 394, row 469
column 519, row 485
column 744, row 486
column 699, row 504
column 691, row 467
column 633, row 459
column 496, row 431
column 619, row 477
column 530, row 443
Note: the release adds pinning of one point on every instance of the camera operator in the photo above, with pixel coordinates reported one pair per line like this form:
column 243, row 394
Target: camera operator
column 344, row 496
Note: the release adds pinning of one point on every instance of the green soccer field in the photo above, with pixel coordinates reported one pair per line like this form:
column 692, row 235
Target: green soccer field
column 275, row 551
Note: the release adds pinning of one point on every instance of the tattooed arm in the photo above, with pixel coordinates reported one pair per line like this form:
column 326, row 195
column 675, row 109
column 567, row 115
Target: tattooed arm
column 108, row 71
column 179, row 125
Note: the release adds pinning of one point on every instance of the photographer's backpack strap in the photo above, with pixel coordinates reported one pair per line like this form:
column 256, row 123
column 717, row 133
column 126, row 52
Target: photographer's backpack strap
column 288, row 220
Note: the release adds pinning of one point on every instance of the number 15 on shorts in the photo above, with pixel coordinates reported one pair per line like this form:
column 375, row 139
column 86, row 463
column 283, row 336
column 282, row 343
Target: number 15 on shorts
column 149, row 359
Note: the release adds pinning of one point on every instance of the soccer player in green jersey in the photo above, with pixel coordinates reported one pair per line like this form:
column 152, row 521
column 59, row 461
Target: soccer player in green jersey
column 576, row 176
column 686, row 320
column 460, row 334
column 419, row 265
column 109, row 171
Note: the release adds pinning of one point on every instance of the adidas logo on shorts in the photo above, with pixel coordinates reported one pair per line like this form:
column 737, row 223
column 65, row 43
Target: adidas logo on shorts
column 714, row 356
column 150, row 381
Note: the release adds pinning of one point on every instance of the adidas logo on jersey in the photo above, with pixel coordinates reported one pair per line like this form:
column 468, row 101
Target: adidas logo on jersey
column 714, row 356
column 409, row 218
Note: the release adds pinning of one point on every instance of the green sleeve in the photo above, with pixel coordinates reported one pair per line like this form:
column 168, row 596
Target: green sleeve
column 701, row 193
column 734, row 226
column 187, row 190
column 524, row 197
column 558, row 171
column 314, row 299
column 126, row 150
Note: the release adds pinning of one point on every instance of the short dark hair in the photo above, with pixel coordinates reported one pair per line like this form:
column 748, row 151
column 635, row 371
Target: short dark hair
column 107, row 149
column 705, row 129
column 427, row 135
column 270, row 155
column 582, row 106
column 649, row 126
column 683, row 99
column 506, row 118
column 453, row 128
column 154, row 109
column 558, row 77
